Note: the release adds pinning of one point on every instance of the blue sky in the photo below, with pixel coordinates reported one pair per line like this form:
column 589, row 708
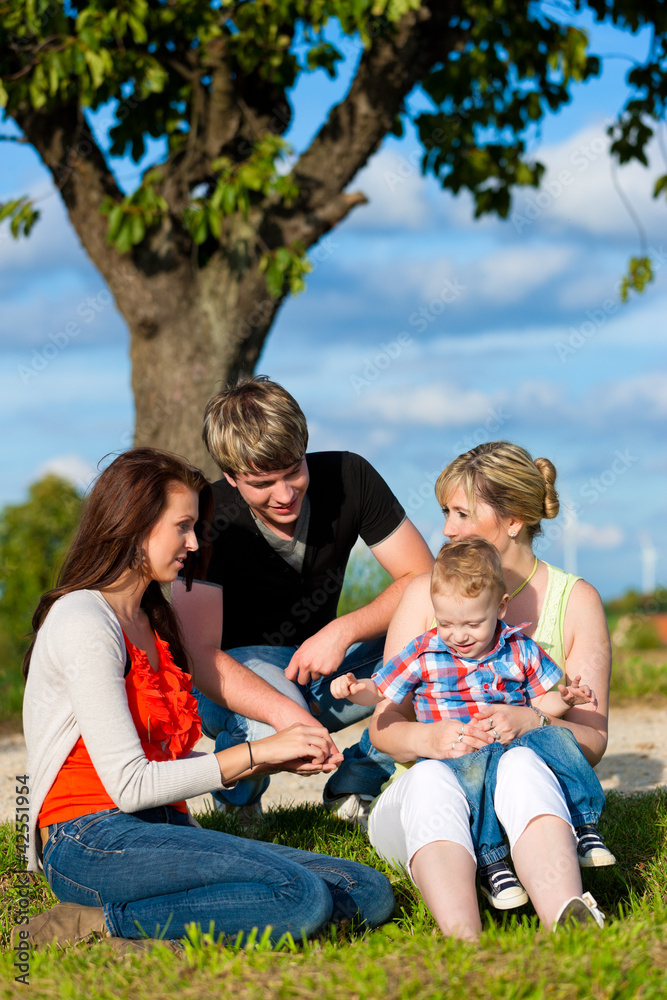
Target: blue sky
column 420, row 334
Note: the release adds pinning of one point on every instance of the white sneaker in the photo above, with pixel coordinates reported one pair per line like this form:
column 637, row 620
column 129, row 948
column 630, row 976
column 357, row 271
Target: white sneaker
column 352, row 808
column 579, row 910
column 249, row 817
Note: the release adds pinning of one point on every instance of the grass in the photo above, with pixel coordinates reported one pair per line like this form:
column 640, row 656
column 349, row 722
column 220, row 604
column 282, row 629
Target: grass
column 405, row 958
column 639, row 676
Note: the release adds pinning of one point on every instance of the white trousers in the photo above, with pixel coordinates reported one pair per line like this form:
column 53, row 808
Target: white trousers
column 427, row 804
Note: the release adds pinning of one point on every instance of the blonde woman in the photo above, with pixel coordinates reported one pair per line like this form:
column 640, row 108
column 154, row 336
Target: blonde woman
column 422, row 819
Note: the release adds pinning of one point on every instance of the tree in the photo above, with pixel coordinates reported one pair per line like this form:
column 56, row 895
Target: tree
column 202, row 254
column 34, row 537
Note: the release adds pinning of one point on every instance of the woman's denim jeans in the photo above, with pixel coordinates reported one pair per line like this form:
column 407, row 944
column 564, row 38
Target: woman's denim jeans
column 364, row 769
column 154, row 873
column 476, row 773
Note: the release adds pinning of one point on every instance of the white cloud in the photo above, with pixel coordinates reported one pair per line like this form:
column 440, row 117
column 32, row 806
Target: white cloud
column 645, row 394
column 51, row 246
column 440, row 405
column 512, row 273
column 533, row 395
column 71, row 467
column 591, row 536
column 398, row 194
column 578, row 192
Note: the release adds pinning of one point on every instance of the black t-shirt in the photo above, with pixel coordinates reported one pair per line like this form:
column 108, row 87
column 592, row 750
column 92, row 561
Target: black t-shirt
column 265, row 600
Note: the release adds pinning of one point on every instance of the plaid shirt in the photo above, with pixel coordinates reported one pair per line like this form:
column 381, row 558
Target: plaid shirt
column 446, row 686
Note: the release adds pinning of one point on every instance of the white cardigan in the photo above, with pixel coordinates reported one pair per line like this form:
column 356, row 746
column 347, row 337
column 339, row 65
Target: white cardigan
column 76, row 687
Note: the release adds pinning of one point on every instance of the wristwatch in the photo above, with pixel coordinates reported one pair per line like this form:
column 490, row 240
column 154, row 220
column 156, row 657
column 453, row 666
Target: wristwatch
column 544, row 719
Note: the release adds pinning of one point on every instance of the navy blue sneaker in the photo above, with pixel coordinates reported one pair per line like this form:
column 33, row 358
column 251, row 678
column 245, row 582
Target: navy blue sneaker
column 591, row 849
column 501, row 886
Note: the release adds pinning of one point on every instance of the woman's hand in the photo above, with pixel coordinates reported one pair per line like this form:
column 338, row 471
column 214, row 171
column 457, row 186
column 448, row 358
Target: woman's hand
column 306, row 748
column 505, row 722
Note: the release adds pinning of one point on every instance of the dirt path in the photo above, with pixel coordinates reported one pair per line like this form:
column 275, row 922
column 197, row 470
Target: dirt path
column 636, row 760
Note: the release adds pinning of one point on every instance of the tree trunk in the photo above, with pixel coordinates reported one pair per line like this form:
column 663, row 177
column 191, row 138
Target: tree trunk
column 202, row 329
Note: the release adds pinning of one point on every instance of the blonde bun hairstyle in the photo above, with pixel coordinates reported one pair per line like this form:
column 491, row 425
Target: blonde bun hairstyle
column 506, row 477
column 548, row 472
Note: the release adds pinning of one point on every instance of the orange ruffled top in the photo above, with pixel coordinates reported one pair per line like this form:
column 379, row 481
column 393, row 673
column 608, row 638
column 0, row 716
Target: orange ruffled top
column 165, row 714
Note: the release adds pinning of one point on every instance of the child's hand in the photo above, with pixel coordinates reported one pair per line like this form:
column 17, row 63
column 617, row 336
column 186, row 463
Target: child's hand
column 361, row 692
column 345, row 685
column 577, row 693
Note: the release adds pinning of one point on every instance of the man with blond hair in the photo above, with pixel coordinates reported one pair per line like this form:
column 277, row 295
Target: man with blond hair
column 285, row 523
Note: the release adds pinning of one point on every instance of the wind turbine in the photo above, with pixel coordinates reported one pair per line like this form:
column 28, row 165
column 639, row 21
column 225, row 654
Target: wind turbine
column 649, row 557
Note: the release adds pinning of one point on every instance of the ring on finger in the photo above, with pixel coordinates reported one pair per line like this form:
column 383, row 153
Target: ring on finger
column 496, row 735
column 460, row 736
column 454, row 746
column 490, row 723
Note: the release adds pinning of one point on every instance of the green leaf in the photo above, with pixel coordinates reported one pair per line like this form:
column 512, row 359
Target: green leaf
column 228, row 199
column 201, row 229
column 123, row 241
column 640, row 273
column 660, row 186
column 21, row 214
column 4, row 96
column 215, row 222
column 138, row 30
column 9, row 207
column 283, row 259
column 274, row 280
column 95, row 65
column 116, row 216
column 138, row 229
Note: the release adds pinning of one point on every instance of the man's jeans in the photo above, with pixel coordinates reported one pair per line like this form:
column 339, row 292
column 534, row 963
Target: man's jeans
column 557, row 747
column 364, row 768
column 153, row 872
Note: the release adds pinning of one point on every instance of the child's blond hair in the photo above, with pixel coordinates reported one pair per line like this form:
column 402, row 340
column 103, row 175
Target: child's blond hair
column 468, row 566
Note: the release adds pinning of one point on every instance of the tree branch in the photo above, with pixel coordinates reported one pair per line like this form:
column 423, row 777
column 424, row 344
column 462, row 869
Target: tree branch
column 355, row 128
column 69, row 150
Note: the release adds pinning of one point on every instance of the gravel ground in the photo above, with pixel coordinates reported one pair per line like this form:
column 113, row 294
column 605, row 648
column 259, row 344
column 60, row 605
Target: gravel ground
column 636, row 760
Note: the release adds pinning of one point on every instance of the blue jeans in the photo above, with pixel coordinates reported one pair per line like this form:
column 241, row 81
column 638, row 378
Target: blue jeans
column 364, row 768
column 153, row 873
column 557, row 747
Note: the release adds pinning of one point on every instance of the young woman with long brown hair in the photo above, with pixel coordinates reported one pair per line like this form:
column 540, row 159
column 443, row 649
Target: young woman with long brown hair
column 110, row 726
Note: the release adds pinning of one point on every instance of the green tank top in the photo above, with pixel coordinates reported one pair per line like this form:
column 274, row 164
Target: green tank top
column 549, row 633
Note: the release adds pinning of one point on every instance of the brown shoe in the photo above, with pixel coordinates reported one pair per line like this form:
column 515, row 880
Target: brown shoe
column 64, row 923
column 131, row 946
